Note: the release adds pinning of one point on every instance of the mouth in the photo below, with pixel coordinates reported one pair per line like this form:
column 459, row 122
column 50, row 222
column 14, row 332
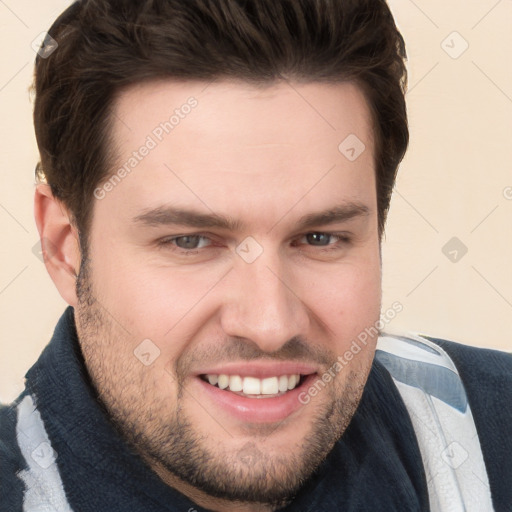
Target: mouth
column 254, row 387
column 254, row 393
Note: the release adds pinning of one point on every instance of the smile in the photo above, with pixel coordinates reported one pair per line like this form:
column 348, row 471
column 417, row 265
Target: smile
column 254, row 387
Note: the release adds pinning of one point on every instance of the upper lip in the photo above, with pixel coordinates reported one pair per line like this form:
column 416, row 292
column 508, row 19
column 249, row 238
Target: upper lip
column 259, row 369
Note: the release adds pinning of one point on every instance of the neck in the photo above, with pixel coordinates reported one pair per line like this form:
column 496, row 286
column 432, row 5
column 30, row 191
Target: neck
column 203, row 499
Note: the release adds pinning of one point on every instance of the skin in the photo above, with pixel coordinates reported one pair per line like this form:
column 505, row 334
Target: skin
column 264, row 157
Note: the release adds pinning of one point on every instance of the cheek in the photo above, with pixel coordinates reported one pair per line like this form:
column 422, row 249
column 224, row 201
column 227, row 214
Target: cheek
column 349, row 289
column 150, row 300
column 347, row 298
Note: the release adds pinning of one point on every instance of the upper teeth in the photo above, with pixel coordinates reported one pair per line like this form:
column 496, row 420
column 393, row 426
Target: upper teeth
column 253, row 385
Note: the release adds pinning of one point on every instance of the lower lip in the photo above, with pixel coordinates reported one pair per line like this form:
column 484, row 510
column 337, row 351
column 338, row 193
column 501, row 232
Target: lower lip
column 257, row 410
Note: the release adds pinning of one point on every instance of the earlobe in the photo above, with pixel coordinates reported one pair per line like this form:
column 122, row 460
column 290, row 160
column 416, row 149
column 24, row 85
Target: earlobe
column 59, row 242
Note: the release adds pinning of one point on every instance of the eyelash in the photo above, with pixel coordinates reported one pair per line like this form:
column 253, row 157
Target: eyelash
column 343, row 239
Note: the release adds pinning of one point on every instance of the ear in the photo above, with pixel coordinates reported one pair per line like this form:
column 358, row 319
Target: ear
column 59, row 242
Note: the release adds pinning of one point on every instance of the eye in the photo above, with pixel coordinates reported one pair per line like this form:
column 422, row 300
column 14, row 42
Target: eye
column 329, row 240
column 187, row 242
column 318, row 239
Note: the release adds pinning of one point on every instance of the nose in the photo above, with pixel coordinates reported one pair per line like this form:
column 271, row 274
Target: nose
column 262, row 305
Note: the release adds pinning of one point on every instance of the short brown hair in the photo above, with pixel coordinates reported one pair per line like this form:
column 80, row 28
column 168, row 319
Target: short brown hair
column 107, row 45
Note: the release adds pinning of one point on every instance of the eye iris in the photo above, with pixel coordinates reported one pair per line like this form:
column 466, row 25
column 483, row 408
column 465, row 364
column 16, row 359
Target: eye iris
column 318, row 238
column 188, row 242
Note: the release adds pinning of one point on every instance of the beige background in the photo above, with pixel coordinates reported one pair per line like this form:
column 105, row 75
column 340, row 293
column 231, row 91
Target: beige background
column 456, row 181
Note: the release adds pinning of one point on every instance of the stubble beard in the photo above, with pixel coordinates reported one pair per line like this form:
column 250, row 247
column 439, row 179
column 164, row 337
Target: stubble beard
column 242, row 472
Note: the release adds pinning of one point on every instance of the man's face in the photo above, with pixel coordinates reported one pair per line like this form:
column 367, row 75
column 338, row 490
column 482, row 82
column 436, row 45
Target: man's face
column 242, row 248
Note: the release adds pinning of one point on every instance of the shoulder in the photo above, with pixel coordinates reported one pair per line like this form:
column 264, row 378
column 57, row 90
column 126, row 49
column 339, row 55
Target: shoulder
column 482, row 371
column 487, row 378
column 478, row 363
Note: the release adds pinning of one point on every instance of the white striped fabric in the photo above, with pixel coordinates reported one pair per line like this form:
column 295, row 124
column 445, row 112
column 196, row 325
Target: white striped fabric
column 434, row 395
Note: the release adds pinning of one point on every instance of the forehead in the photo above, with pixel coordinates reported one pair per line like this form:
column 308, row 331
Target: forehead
column 269, row 113
column 232, row 145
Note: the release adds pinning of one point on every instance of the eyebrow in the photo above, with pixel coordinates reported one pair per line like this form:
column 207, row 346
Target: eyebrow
column 167, row 215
